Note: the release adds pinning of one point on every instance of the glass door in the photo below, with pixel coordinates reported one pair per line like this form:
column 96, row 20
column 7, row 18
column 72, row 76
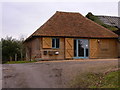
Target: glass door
column 81, row 48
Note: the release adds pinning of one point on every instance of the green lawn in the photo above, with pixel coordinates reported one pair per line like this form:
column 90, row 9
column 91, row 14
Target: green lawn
column 100, row 80
column 17, row 62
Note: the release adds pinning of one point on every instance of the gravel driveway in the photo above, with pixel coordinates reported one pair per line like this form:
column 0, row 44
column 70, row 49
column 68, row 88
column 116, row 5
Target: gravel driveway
column 51, row 74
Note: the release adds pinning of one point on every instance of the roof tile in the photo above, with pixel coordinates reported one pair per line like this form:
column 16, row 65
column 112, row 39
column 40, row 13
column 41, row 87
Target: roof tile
column 69, row 24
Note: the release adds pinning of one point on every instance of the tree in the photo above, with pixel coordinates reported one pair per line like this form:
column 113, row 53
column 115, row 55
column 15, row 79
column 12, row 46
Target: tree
column 12, row 48
column 94, row 18
column 98, row 21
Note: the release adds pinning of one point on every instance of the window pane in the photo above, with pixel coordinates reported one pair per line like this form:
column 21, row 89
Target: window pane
column 57, row 43
column 86, row 52
column 80, row 48
column 53, row 43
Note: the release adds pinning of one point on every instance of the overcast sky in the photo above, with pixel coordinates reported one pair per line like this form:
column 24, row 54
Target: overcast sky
column 23, row 18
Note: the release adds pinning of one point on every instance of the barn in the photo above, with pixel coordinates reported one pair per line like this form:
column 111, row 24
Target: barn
column 69, row 35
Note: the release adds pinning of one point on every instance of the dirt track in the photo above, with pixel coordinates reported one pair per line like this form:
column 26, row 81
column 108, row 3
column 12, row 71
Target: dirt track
column 51, row 74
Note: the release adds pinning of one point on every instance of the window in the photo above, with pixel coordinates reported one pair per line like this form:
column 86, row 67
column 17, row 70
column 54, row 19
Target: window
column 55, row 43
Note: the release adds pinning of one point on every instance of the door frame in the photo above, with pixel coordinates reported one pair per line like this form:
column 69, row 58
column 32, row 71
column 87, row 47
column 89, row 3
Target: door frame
column 84, row 57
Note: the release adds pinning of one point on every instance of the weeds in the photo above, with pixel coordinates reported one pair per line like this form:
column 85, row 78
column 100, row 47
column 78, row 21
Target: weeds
column 97, row 80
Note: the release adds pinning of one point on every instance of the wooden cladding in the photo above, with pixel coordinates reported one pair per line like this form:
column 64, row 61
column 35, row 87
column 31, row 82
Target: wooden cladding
column 93, row 48
column 47, row 42
column 104, row 44
column 69, row 48
column 103, row 48
column 107, row 48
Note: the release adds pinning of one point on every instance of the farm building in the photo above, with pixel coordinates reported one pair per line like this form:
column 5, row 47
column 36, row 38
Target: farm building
column 110, row 20
column 68, row 35
column 118, row 33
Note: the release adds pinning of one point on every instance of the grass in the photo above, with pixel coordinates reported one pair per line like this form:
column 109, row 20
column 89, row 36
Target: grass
column 17, row 62
column 96, row 80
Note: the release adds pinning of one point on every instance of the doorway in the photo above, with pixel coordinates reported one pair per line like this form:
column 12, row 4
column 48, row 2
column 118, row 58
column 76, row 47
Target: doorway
column 81, row 48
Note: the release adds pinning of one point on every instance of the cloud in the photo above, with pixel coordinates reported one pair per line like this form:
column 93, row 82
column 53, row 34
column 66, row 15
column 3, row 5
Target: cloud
column 24, row 18
column 119, row 12
column 59, row 0
column 0, row 20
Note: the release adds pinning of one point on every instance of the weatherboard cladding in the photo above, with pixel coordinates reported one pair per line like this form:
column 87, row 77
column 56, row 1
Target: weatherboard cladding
column 67, row 24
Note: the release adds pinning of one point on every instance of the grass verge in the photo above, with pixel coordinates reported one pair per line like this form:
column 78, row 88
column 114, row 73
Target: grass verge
column 97, row 80
column 17, row 62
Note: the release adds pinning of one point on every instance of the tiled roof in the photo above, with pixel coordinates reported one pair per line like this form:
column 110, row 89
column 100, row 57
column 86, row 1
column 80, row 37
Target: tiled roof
column 67, row 24
column 110, row 20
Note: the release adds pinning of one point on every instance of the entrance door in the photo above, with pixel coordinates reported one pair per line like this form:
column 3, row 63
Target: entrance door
column 81, row 48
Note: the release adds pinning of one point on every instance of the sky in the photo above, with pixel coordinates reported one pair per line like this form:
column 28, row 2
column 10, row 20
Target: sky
column 20, row 19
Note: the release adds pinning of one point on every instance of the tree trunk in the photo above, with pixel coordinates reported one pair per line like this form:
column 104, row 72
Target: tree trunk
column 15, row 57
column 21, row 55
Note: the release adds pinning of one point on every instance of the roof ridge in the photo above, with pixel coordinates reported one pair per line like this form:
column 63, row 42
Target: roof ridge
column 67, row 12
column 107, row 16
column 72, row 24
column 51, row 17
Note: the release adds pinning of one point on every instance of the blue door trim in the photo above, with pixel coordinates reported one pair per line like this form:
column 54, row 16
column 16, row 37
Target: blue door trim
column 84, row 57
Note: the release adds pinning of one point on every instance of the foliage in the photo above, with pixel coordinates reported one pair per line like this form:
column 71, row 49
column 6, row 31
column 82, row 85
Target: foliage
column 99, row 80
column 98, row 21
column 12, row 47
column 17, row 62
